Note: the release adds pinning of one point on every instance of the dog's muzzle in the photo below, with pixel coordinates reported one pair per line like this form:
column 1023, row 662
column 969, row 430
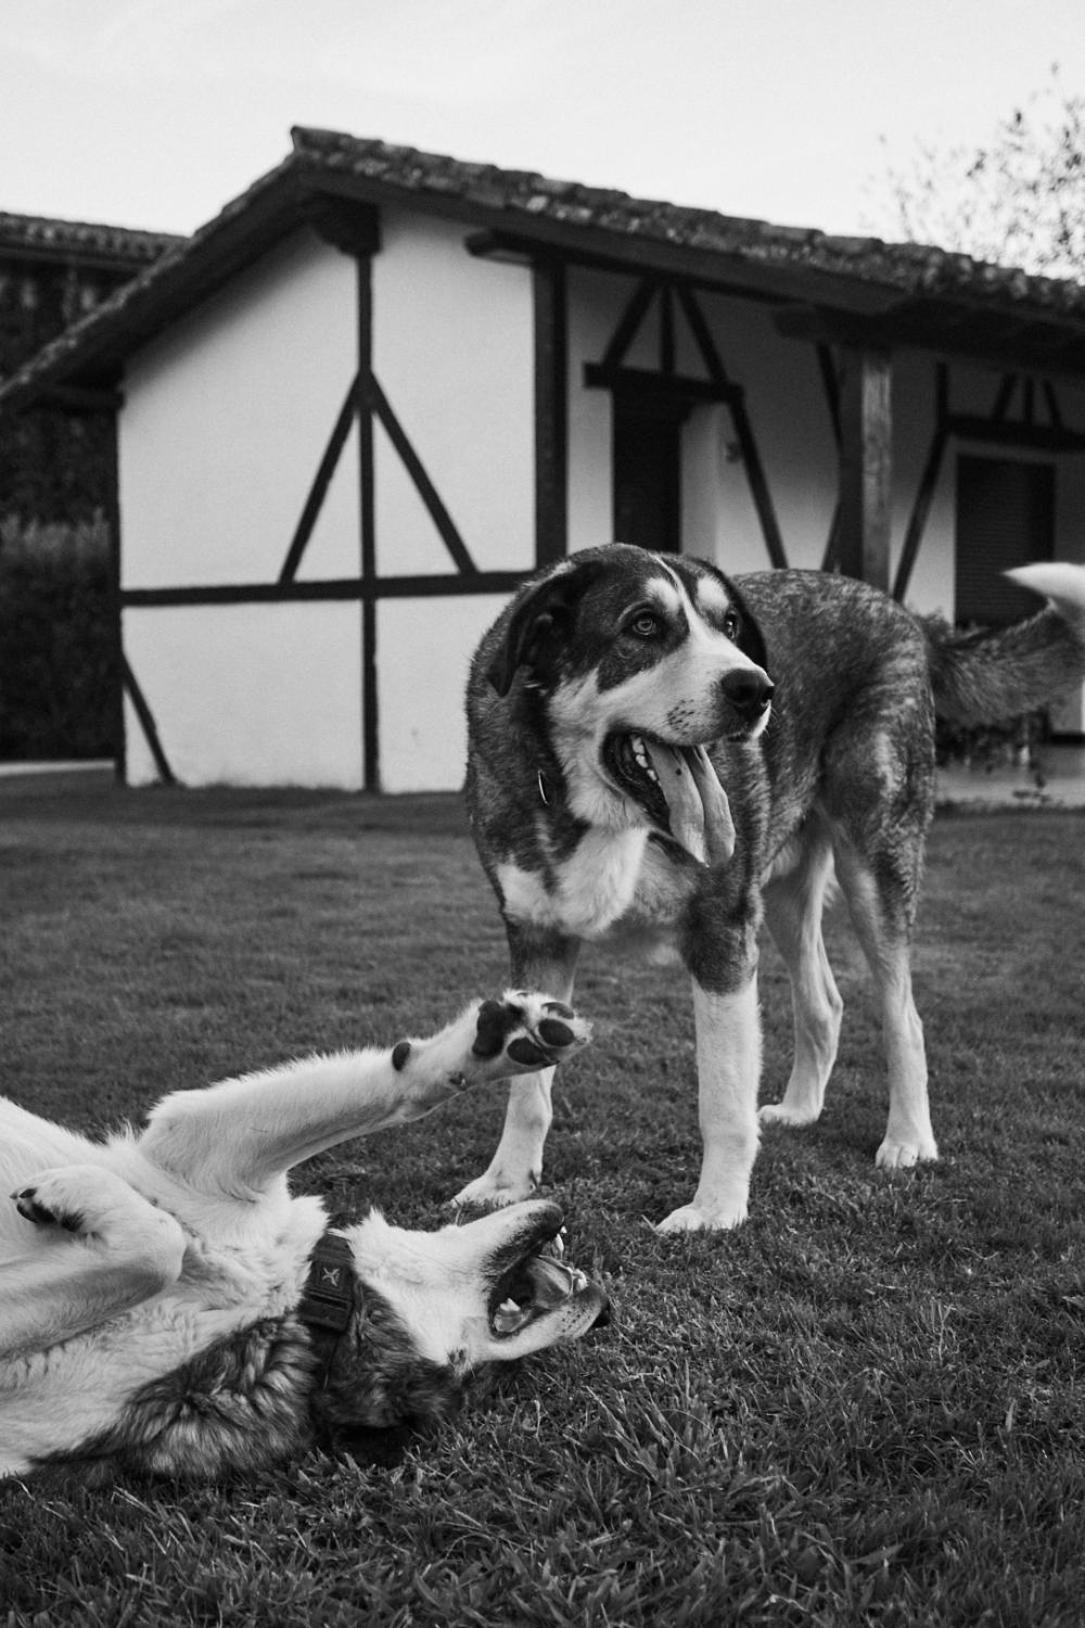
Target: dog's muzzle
column 747, row 692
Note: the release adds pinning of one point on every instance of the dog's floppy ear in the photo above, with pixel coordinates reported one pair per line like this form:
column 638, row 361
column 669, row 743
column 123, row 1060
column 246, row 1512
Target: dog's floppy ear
column 540, row 618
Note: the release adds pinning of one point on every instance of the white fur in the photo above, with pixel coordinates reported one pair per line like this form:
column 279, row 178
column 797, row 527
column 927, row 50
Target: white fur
column 188, row 1232
column 728, row 1029
column 595, row 885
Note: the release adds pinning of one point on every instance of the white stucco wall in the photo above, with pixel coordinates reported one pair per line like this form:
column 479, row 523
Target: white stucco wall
column 785, row 405
column 453, row 352
column 225, row 420
column 249, row 695
column 424, row 650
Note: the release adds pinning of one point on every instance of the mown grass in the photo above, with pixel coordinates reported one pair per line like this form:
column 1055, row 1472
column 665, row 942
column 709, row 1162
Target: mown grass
column 864, row 1407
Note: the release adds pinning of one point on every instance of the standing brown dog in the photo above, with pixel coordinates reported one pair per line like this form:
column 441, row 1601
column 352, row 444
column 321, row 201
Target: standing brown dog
column 659, row 754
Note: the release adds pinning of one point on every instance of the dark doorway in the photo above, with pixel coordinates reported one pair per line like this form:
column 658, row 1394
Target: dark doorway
column 647, row 458
column 1005, row 517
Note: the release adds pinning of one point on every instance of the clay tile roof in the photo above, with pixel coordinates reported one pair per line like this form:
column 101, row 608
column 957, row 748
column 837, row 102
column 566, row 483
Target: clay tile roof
column 910, row 267
column 41, row 238
column 793, row 264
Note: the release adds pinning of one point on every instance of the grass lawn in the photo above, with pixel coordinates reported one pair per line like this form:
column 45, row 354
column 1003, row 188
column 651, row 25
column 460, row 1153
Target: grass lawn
column 863, row 1407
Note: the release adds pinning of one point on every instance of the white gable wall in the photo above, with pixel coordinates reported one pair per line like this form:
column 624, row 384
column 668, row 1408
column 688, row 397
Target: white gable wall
column 227, row 417
column 453, row 353
column 225, row 421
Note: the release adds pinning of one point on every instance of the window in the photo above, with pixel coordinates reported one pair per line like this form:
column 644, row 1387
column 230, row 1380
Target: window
column 648, row 470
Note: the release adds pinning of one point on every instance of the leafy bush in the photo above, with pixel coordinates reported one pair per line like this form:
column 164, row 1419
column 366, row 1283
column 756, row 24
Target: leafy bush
column 58, row 668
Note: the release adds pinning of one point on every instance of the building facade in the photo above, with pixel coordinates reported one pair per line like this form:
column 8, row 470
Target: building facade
column 359, row 406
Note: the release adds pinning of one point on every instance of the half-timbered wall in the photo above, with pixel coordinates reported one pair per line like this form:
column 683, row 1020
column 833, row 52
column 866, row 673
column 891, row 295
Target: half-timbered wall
column 765, row 490
column 452, row 349
column 332, row 474
column 224, row 423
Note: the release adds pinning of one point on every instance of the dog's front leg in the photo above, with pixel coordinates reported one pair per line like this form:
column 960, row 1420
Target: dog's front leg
column 237, row 1137
column 540, row 962
column 728, row 1030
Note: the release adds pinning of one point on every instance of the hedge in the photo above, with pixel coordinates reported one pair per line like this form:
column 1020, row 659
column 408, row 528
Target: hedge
column 58, row 672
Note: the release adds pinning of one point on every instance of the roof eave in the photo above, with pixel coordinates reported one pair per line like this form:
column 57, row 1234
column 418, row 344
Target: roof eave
column 91, row 354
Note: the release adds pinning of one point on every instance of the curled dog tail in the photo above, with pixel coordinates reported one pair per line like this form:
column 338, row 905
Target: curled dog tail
column 985, row 677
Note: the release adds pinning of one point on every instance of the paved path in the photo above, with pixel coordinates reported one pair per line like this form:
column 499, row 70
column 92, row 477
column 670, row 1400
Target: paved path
column 1062, row 772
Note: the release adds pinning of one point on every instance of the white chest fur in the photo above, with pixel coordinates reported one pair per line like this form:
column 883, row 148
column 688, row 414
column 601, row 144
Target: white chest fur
column 593, row 888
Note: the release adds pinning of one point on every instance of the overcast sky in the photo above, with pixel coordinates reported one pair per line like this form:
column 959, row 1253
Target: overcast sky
column 155, row 113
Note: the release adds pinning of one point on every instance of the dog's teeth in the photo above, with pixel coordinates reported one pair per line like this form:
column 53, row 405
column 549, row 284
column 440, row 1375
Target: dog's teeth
column 509, row 1305
column 559, row 1244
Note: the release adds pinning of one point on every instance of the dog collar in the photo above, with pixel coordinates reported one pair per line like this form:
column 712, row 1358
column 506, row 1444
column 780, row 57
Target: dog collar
column 327, row 1301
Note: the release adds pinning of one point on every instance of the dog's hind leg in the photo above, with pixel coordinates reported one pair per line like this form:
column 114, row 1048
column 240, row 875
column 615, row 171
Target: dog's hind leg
column 881, row 898
column 515, row 1170
column 793, row 906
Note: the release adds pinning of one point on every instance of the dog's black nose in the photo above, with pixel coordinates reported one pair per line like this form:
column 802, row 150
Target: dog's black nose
column 748, row 690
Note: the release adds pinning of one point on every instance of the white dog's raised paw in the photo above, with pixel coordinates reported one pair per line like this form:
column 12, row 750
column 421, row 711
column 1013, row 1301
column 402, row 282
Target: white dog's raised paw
column 525, row 1031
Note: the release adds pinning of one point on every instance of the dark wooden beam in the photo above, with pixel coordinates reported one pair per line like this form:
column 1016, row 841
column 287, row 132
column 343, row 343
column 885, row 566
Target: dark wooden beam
column 147, row 724
column 550, row 303
column 367, row 510
column 921, row 508
column 80, row 399
column 412, row 463
column 993, row 338
column 115, row 629
column 1007, row 432
column 321, row 481
column 448, row 585
column 353, row 228
column 597, row 247
column 666, row 386
column 865, row 465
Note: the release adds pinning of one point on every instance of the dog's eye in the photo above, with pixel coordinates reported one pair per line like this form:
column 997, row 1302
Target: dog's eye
column 730, row 626
column 644, row 625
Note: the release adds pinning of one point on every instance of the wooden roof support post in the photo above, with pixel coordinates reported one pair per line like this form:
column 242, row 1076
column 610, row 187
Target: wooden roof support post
column 866, row 434
column 551, row 412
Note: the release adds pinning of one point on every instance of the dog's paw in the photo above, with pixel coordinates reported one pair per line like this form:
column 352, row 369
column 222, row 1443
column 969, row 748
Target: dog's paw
column 92, row 1203
column 779, row 1113
column 71, row 1198
column 692, row 1218
column 900, row 1155
column 493, row 1192
column 524, row 1031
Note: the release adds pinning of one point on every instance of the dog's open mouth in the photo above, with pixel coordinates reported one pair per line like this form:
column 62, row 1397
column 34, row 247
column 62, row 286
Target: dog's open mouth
column 538, row 1282
column 678, row 789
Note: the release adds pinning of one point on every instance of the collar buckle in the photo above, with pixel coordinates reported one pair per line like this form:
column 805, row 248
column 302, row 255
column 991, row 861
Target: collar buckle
column 327, row 1300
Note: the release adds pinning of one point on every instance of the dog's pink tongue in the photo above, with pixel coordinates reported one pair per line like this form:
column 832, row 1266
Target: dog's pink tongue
column 699, row 811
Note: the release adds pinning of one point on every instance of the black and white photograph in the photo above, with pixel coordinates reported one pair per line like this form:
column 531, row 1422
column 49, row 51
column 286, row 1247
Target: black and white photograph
column 542, row 814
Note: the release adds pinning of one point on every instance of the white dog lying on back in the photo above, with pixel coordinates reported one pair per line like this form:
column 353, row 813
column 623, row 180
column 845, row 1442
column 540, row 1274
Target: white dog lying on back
column 167, row 1306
